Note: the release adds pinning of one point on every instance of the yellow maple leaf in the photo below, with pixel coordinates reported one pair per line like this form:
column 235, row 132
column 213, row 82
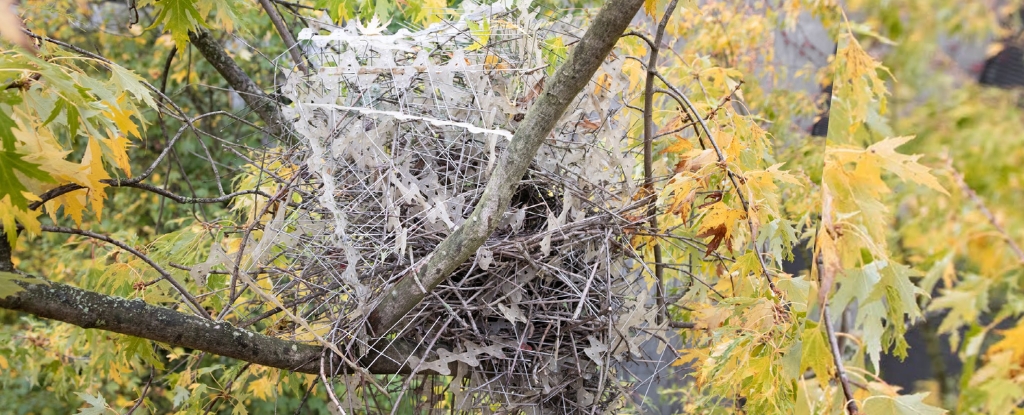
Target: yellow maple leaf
column 650, row 7
column 680, row 192
column 73, row 203
column 94, row 174
column 904, row 166
column 118, row 146
column 1013, row 342
column 121, row 115
column 11, row 216
column 262, row 387
column 719, row 223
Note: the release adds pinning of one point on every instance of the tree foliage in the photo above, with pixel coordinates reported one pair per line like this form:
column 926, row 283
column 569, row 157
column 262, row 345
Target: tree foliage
column 155, row 159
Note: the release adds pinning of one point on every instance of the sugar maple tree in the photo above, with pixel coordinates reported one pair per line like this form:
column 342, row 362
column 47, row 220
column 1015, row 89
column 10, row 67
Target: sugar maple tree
column 137, row 154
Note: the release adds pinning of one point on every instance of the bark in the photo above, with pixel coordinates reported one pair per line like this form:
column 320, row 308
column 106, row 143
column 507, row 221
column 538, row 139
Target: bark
column 286, row 35
column 263, row 105
column 570, row 78
column 93, row 310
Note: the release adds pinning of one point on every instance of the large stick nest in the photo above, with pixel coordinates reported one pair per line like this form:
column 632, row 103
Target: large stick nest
column 399, row 134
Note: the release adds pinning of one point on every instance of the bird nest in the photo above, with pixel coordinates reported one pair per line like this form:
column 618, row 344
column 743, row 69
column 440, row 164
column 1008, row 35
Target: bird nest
column 398, row 136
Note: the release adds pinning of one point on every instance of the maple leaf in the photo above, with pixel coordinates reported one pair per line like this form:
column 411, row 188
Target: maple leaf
column 132, row 83
column 718, row 224
column 179, row 17
column 650, row 7
column 1012, row 341
column 92, row 164
column 816, row 354
column 97, row 405
column 122, row 117
column 900, row 405
column 904, row 166
column 8, row 287
column 118, row 146
column 10, row 184
column 11, row 215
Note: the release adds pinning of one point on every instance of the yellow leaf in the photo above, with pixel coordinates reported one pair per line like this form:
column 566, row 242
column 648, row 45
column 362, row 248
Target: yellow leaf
column 904, row 166
column 719, row 223
column 92, row 164
column 118, row 146
column 1013, row 341
column 10, row 216
column 73, row 203
column 122, row 117
column 650, row 7
column 262, row 387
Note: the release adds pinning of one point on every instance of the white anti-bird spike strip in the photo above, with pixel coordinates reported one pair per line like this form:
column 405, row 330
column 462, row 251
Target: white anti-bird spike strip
column 406, row 117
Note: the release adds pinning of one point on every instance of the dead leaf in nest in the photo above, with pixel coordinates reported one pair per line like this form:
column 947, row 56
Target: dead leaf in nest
column 588, row 126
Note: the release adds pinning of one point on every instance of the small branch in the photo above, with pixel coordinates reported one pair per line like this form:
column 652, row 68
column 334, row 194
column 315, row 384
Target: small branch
column 67, row 188
column 682, row 325
column 296, row 5
column 167, row 69
column 196, row 307
column 145, row 391
column 985, row 211
column 837, row 358
column 652, row 208
column 650, row 43
column 286, row 35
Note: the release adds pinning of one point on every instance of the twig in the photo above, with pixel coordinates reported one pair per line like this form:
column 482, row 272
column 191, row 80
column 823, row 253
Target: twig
column 652, row 208
column 682, row 324
column 196, row 307
column 145, row 391
column 327, row 385
column 985, row 211
column 837, row 358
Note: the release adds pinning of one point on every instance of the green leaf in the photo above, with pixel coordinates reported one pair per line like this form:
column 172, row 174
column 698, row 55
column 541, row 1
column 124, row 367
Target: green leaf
column 179, row 17
column 97, row 404
column 816, row 354
column 10, row 184
column 900, row 405
column 129, row 81
column 180, row 396
column 7, row 124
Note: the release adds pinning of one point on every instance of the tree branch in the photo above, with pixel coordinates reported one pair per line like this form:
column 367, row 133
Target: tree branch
column 264, row 106
column 286, row 35
column 565, row 85
column 837, row 358
column 652, row 210
column 89, row 309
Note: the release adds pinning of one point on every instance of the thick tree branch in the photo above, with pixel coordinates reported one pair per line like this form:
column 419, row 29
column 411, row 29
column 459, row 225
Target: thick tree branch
column 264, row 106
column 89, row 309
column 565, row 85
